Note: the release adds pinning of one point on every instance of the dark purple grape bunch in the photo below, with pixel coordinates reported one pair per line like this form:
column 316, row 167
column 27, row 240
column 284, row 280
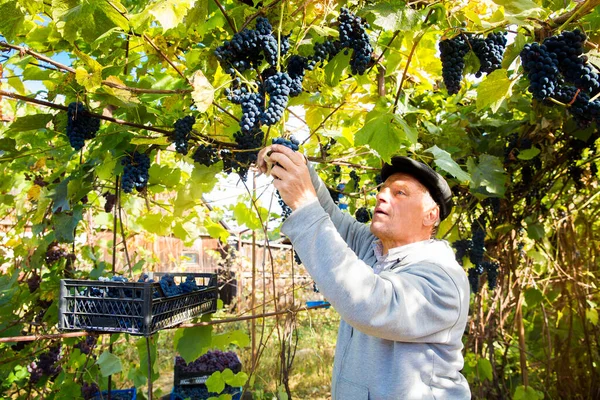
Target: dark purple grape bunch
column 212, row 361
column 354, row 36
column 291, row 143
column 80, row 125
column 363, row 215
column 356, row 179
column 296, row 68
column 478, row 231
column 491, row 269
column 54, row 253
column 33, row 282
column 182, row 133
column 110, row 201
column 278, row 89
column 463, row 248
column 572, row 63
column 168, row 285
column 473, row 275
column 452, row 54
column 90, row 390
column 252, row 107
column 87, row 345
column 248, row 48
column 46, row 365
column 489, row 51
column 189, row 285
column 583, row 111
column 135, row 172
column 206, row 155
column 248, row 145
column 325, row 51
column 541, row 66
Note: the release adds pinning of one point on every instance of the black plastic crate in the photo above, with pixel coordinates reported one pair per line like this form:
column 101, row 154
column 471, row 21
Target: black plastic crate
column 132, row 307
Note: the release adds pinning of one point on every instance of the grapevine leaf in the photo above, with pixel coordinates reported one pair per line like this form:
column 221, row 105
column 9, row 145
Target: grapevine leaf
column 324, row 31
column 444, row 160
column 65, row 224
column 484, row 367
column 142, row 348
column 109, row 364
column 518, row 11
column 335, row 67
column 157, row 223
column 245, row 215
column 29, row 122
column 393, row 16
column 237, row 337
column 592, row 316
column 203, row 93
column 120, row 97
column 12, row 19
column 60, row 196
column 216, row 230
column 513, row 50
column 111, row 11
column 17, row 84
column 381, row 134
column 91, row 79
column 190, row 342
column 528, row 154
column 160, row 141
column 169, row 13
column 535, row 230
column 187, row 232
column 237, row 380
column 494, row 89
column 215, row 383
column 488, row 177
column 197, row 15
column 527, row 393
column 533, row 297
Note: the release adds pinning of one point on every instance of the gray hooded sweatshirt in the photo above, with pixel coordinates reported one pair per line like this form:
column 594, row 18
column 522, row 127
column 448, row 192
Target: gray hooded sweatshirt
column 403, row 314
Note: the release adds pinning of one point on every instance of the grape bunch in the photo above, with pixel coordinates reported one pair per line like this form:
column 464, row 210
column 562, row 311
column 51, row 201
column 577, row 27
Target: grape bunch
column 583, row 110
column 198, row 392
column 252, row 107
column 291, row 143
column 296, row 68
column 182, row 133
column 325, row 51
column 542, row 71
column 489, row 51
column 135, row 172
column 354, row 176
column 89, row 391
column 248, row 145
column 248, row 48
column 568, row 47
column 278, row 88
column 87, row 345
column 477, row 240
column 80, row 125
column 47, row 364
column 286, row 211
column 33, row 283
column 473, row 275
column 212, row 361
column 54, row 253
column 168, row 286
column 363, row 215
column 111, row 199
column 189, row 285
column 206, row 155
column 491, row 268
column 452, row 54
column 462, row 247
column 353, row 36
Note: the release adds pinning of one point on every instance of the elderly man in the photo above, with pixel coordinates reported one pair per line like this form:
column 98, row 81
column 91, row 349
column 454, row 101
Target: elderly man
column 402, row 297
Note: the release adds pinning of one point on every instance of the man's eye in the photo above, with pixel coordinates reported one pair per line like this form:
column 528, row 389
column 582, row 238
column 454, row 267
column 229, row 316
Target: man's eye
column 400, row 192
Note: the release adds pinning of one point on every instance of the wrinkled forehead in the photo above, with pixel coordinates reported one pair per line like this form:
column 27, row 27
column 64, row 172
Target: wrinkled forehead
column 402, row 178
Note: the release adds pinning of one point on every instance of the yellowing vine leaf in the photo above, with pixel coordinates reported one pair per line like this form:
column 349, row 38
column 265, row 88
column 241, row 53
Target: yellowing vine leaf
column 203, row 93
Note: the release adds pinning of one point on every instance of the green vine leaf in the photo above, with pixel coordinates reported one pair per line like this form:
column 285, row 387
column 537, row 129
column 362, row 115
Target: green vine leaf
column 191, row 342
column 109, row 364
column 444, row 160
column 493, row 90
column 381, row 133
column 203, row 93
column 488, row 177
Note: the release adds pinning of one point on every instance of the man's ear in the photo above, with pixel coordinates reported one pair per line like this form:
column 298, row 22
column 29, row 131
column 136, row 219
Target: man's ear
column 431, row 216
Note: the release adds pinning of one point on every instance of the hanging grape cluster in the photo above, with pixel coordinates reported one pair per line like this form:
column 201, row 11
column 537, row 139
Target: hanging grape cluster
column 363, row 215
column 489, row 51
column 80, row 125
column 558, row 69
column 135, row 172
column 46, row 365
column 353, row 36
column 182, row 133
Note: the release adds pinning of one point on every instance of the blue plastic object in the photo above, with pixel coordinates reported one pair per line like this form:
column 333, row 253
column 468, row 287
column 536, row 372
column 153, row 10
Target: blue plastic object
column 125, row 394
column 318, row 303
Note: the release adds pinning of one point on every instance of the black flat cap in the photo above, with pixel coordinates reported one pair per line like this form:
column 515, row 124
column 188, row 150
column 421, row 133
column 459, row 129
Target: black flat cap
column 434, row 182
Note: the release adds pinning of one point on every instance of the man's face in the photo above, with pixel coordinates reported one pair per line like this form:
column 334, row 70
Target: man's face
column 402, row 204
